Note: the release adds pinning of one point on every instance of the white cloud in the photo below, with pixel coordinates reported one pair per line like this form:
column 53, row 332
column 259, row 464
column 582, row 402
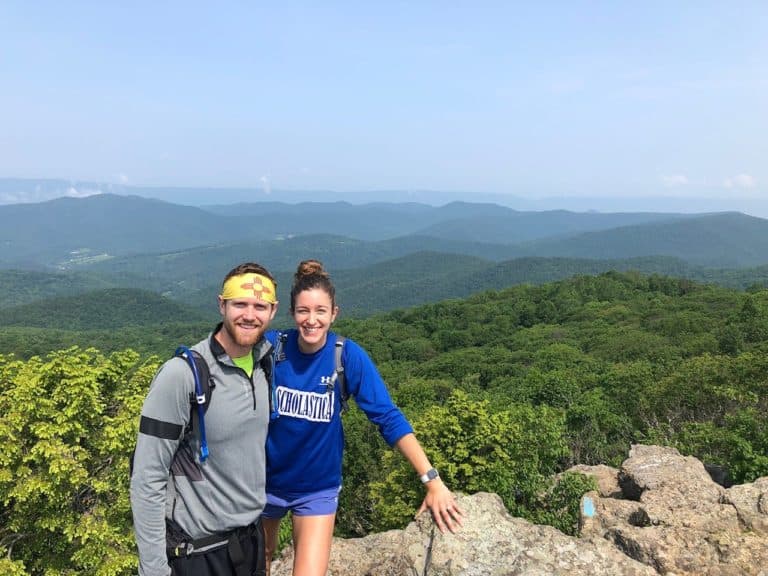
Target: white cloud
column 22, row 198
column 44, row 193
column 675, row 180
column 265, row 185
column 740, row 181
column 73, row 192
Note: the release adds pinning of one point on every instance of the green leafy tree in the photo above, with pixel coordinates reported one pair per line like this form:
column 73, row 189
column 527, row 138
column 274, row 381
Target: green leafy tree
column 740, row 444
column 362, row 457
column 559, row 505
column 627, row 385
column 714, row 408
column 511, row 452
column 67, row 426
column 730, row 339
column 599, row 432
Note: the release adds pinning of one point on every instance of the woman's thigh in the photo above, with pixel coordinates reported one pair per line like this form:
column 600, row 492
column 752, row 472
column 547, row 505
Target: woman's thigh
column 312, row 537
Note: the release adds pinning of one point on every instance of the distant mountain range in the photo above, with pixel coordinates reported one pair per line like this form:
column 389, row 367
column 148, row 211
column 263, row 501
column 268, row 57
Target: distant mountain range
column 24, row 190
column 69, row 233
column 382, row 256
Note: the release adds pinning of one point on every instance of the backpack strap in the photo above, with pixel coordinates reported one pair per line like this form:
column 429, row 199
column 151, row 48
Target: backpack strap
column 282, row 337
column 278, row 355
column 201, row 398
column 339, row 373
column 202, row 394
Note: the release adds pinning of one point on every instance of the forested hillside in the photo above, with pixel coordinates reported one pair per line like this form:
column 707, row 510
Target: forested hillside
column 68, row 231
column 726, row 240
column 505, row 388
column 20, row 287
column 111, row 319
column 33, row 299
column 112, row 308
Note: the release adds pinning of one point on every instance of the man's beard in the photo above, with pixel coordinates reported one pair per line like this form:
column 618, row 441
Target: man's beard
column 241, row 337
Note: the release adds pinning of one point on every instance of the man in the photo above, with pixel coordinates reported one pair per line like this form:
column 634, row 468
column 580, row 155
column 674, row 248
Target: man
column 198, row 515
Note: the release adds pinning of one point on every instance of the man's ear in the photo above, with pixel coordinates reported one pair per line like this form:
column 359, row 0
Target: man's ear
column 274, row 311
column 222, row 304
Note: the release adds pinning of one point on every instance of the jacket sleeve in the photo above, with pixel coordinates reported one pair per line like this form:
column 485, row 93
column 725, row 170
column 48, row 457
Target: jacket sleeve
column 164, row 416
column 370, row 392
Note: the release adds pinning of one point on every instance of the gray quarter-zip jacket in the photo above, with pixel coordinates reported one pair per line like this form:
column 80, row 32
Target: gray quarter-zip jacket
column 224, row 492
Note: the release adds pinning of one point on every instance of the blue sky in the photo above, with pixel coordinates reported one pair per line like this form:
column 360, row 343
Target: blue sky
column 533, row 99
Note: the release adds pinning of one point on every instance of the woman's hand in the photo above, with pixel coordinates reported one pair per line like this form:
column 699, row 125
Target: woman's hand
column 442, row 505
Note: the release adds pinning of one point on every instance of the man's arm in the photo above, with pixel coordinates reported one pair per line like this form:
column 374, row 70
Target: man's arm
column 164, row 415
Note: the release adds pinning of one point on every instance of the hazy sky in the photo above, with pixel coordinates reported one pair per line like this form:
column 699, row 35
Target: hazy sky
column 534, row 98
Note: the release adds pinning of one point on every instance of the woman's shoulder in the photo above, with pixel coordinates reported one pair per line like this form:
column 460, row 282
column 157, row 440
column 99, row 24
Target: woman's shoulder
column 335, row 338
column 349, row 346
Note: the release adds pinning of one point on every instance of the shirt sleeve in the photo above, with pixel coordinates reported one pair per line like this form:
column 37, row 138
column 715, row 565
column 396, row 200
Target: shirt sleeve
column 164, row 416
column 370, row 392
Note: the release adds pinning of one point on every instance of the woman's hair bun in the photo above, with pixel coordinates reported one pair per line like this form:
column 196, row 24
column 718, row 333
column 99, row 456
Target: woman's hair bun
column 310, row 268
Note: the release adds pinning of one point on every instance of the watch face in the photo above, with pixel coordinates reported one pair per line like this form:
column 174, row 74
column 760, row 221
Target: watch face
column 429, row 475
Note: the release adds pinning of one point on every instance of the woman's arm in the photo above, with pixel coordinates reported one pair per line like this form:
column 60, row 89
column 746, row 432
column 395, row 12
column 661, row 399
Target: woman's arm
column 372, row 397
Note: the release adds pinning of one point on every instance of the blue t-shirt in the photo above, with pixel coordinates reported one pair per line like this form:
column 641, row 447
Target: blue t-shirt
column 306, row 442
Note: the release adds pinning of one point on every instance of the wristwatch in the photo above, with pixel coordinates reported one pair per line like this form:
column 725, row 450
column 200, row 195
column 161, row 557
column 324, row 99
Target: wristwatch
column 430, row 475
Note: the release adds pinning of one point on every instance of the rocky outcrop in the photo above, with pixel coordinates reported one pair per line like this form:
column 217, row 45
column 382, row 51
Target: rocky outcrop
column 491, row 542
column 673, row 517
column 660, row 513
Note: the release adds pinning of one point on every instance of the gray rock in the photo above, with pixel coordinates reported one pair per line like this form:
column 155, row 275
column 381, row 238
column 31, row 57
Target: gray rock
column 606, row 476
column 660, row 513
column 491, row 542
column 751, row 504
column 675, row 518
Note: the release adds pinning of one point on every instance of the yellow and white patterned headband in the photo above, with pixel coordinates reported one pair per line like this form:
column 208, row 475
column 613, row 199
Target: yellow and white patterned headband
column 250, row 285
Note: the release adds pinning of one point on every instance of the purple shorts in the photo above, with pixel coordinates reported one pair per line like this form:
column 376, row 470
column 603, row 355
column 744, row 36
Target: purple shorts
column 315, row 504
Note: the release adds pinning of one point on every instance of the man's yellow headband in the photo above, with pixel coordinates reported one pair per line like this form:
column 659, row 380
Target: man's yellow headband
column 250, row 285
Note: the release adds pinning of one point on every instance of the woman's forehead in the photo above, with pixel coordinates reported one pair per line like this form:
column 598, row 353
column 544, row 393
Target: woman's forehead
column 313, row 296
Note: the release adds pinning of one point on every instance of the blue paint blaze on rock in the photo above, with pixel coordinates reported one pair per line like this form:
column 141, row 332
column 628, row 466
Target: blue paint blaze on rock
column 588, row 507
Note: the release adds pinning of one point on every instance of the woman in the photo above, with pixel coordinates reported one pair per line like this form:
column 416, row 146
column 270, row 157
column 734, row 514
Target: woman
column 306, row 441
